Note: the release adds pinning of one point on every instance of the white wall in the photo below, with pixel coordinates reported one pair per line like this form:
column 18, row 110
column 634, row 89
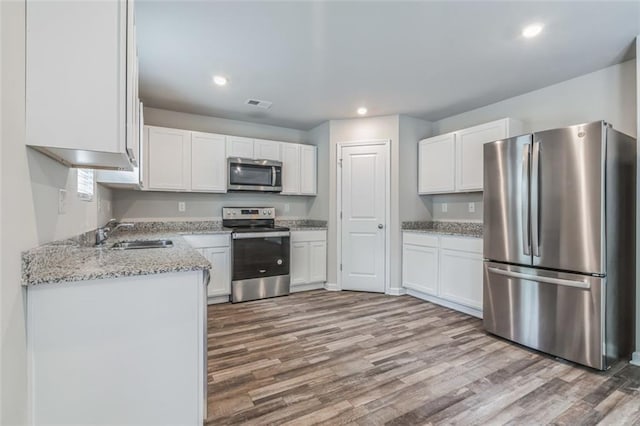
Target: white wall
column 412, row 206
column 164, row 205
column 203, row 123
column 319, row 205
column 140, row 205
column 28, row 196
column 608, row 94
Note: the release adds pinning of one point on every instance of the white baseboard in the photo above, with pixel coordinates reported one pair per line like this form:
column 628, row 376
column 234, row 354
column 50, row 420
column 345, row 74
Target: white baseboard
column 331, row 287
column 447, row 304
column 395, row 291
column 635, row 359
column 217, row 299
column 306, row 287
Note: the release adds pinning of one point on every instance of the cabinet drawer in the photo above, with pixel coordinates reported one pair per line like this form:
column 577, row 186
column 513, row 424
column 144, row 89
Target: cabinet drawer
column 306, row 236
column 201, row 241
column 420, row 239
column 468, row 244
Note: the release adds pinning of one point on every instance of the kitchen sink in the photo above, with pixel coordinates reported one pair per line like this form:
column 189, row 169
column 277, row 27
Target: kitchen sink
column 142, row 244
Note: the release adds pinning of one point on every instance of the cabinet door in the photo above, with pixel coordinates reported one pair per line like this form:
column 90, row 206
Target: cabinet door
column 266, row 150
column 168, row 159
column 420, row 268
column 469, row 153
column 461, row 277
column 317, row 261
column 290, row 168
column 238, row 147
column 299, row 263
column 436, row 164
column 308, row 167
column 208, row 162
column 220, row 284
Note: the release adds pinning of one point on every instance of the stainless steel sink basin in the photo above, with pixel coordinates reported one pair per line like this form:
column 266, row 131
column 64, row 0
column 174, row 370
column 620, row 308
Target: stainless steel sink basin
column 142, row 244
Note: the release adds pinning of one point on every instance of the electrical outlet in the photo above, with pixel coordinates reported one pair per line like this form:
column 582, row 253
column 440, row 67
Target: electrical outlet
column 62, row 201
column 182, row 206
column 472, row 207
column 287, row 208
column 444, row 207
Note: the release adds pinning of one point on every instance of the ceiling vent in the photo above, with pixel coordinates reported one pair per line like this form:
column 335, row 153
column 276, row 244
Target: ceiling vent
column 260, row 104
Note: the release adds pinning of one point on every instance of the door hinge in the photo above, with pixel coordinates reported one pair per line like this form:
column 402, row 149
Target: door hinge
column 340, row 162
column 341, row 266
column 340, row 215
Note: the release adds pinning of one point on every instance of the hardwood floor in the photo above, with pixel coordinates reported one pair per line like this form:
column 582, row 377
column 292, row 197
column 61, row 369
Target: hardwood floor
column 368, row 359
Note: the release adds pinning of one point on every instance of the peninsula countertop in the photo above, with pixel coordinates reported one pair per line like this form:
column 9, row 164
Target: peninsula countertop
column 71, row 260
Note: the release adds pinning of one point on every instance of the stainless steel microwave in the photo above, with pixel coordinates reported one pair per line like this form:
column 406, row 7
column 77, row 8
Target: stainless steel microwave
column 254, row 175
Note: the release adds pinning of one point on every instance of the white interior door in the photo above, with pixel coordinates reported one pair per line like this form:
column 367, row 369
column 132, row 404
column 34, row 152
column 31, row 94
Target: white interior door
column 363, row 233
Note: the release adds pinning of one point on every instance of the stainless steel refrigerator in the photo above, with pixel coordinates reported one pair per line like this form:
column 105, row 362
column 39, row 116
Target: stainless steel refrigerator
column 559, row 242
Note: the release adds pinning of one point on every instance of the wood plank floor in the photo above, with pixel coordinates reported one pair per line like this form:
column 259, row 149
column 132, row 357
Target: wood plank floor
column 367, row 359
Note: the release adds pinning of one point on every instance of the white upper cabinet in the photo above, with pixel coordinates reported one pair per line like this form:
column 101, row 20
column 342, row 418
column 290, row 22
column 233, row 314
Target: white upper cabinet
column 290, row 168
column 239, row 147
column 266, row 150
column 168, row 154
column 81, row 93
column 299, row 169
column 454, row 162
column 437, row 164
column 208, row 162
column 256, row 149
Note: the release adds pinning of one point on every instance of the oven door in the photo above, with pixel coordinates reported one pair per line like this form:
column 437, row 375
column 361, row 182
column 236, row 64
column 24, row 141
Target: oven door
column 254, row 175
column 260, row 254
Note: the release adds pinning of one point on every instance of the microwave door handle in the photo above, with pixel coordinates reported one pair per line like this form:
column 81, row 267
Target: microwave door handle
column 273, row 176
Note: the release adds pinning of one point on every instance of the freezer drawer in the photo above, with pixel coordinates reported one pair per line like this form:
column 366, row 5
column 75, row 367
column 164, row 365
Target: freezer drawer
column 558, row 313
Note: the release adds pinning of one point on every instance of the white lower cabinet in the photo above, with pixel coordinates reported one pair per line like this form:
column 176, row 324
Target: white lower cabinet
column 420, row 268
column 444, row 269
column 216, row 248
column 308, row 263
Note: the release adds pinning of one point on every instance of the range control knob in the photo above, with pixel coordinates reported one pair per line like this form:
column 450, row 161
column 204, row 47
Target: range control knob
column 265, row 212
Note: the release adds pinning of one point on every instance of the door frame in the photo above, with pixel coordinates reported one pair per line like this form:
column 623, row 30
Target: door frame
column 387, row 244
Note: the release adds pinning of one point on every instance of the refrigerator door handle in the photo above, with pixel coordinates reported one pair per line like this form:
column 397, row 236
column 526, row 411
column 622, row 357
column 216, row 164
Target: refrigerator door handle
column 524, row 193
column 535, row 196
column 549, row 280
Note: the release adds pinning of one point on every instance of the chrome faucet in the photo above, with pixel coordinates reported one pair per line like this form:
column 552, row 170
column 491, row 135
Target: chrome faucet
column 103, row 232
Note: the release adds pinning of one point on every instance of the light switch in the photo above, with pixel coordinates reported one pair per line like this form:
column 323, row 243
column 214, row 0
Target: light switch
column 182, row 206
column 287, row 208
column 444, row 207
column 472, row 207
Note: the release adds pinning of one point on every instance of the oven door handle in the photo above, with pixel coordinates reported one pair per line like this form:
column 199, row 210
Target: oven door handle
column 248, row 235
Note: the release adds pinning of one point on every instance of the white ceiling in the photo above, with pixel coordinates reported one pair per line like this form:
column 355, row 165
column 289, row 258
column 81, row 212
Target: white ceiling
column 321, row 60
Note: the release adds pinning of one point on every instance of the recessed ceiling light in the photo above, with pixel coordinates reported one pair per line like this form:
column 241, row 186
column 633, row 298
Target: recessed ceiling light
column 532, row 30
column 220, row 80
column 362, row 110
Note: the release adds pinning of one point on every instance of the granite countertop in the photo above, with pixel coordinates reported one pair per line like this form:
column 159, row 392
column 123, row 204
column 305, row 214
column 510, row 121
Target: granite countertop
column 69, row 260
column 78, row 259
column 464, row 229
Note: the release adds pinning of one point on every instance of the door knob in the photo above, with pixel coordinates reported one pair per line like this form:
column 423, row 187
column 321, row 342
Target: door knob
column 380, row 226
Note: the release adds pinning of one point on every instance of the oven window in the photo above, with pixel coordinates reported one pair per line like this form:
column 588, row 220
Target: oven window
column 246, row 174
column 260, row 257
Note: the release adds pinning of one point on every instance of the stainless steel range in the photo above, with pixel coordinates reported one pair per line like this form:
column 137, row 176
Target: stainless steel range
column 260, row 253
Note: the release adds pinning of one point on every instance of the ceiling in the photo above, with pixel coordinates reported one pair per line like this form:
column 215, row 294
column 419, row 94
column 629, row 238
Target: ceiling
column 322, row 60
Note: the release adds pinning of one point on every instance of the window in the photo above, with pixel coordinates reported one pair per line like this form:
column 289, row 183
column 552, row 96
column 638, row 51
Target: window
column 85, row 184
